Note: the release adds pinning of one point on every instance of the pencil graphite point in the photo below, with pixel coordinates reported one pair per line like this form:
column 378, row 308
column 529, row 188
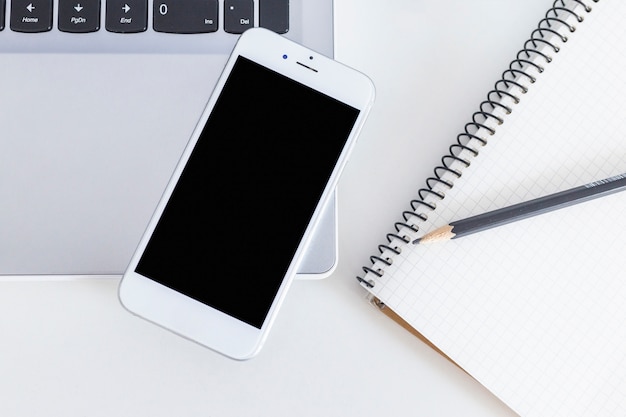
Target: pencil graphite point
column 443, row 233
column 526, row 209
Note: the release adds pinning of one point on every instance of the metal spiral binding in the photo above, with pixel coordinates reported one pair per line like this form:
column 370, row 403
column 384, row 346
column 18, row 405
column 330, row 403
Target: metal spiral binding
column 507, row 87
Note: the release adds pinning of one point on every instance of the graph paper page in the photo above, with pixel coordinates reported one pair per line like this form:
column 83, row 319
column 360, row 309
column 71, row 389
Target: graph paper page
column 536, row 310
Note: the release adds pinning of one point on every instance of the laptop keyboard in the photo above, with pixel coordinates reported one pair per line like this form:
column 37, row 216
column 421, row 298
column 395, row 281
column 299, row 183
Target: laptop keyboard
column 134, row 25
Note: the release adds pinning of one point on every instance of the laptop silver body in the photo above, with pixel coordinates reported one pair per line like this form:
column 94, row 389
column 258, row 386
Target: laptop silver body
column 92, row 125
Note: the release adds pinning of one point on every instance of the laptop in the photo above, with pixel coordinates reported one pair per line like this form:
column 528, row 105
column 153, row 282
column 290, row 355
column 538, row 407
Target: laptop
column 98, row 99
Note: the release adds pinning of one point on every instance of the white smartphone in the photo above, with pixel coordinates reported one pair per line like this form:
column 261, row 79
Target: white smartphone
column 226, row 238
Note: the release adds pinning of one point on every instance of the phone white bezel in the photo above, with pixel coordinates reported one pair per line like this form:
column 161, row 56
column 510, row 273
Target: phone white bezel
column 190, row 318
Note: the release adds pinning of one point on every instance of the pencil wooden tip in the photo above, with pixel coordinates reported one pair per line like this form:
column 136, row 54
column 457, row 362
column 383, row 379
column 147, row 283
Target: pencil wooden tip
column 440, row 234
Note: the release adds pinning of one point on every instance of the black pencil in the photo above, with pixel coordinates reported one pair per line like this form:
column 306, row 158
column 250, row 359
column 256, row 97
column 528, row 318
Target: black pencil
column 526, row 209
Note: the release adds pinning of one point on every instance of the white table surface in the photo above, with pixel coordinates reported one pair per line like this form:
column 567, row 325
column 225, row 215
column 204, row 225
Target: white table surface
column 68, row 348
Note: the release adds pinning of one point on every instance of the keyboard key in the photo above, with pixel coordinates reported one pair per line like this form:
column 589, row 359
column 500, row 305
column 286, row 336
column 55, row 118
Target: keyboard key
column 31, row 15
column 126, row 16
column 185, row 16
column 274, row 15
column 79, row 16
column 238, row 15
column 2, row 8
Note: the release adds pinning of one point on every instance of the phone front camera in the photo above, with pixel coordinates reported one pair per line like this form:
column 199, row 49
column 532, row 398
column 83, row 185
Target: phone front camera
column 285, row 56
column 311, row 57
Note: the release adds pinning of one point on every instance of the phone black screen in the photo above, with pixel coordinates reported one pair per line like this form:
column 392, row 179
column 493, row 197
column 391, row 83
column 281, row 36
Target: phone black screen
column 248, row 191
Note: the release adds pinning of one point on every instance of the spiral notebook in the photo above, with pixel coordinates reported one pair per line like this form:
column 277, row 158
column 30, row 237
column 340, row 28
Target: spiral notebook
column 534, row 310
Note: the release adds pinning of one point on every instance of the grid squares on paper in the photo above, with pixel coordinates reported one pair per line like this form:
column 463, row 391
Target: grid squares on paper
column 534, row 310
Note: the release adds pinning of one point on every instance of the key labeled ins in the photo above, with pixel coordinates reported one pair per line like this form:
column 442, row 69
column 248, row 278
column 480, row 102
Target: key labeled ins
column 185, row 16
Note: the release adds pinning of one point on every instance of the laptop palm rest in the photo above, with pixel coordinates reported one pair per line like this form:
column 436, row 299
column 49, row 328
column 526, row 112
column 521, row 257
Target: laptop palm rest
column 79, row 185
